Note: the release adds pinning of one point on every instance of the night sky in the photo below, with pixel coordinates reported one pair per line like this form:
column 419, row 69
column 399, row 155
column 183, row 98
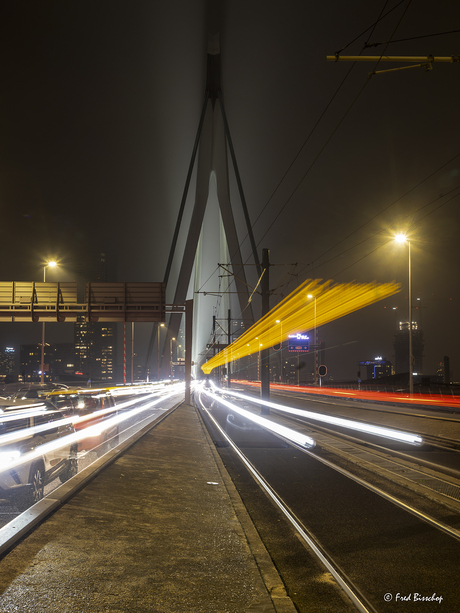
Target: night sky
column 100, row 103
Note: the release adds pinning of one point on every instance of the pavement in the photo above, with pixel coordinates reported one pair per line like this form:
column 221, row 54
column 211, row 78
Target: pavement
column 161, row 529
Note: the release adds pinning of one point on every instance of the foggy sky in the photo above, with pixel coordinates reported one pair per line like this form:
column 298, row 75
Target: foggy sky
column 100, row 105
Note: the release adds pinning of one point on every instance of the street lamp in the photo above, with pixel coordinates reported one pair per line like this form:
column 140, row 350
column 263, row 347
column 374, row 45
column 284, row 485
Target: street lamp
column 171, row 356
column 402, row 238
column 51, row 264
column 158, row 362
column 316, row 343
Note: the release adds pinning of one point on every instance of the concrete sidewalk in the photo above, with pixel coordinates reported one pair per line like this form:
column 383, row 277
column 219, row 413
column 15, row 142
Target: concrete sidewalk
column 162, row 529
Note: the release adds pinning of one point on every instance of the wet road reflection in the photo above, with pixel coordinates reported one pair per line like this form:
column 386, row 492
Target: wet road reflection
column 242, row 431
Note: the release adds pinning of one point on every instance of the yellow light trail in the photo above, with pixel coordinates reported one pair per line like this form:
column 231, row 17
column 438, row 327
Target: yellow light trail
column 296, row 313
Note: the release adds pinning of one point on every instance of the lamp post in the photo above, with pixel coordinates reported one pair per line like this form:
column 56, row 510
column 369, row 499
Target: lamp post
column 402, row 238
column 158, row 361
column 259, row 374
column 316, row 343
column 42, row 374
column 171, row 356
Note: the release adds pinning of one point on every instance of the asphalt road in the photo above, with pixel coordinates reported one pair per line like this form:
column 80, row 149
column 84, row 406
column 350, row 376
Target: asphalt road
column 398, row 561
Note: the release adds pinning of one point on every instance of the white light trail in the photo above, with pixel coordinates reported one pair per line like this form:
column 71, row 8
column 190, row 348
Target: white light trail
column 405, row 437
column 11, row 459
column 267, row 424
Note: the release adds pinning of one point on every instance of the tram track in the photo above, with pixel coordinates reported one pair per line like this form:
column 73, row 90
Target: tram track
column 358, row 601
column 337, row 457
column 407, row 468
column 425, row 480
column 364, row 414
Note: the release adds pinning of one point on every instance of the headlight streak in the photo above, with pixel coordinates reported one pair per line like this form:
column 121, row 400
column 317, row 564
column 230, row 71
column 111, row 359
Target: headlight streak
column 24, row 413
column 71, row 439
column 8, row 457
column 130, row 390
column 286, row 433
column 311, row 542
column 381, row 431
column 19, row 435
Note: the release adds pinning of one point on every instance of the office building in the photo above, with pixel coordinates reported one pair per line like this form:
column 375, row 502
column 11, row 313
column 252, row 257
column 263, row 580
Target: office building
column 401, row 348
column 95, row 350
column 8, row 370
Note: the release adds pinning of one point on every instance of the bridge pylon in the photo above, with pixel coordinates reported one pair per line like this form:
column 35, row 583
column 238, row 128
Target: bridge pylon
column 212, row 144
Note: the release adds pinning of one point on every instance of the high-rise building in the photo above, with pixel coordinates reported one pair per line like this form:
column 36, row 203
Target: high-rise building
column 96, row 343
column 401, row 347
column 30, row 361
column 376, row 369
column 95, row 350
column 7, row 364
column 63, row 362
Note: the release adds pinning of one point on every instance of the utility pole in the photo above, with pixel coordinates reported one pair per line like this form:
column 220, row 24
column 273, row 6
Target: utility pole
column 229, row 342
column 265, row 353
column 188, row 348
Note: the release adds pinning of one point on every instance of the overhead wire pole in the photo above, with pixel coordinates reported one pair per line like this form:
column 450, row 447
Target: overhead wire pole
column 265, row 353
column 188, row 349
column 229, row 342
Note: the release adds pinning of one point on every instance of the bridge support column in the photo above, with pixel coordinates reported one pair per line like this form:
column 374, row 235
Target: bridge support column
column 188, row 348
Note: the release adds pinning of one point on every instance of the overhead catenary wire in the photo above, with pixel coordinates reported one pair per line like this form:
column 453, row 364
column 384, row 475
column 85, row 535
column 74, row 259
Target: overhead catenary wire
column 295, row 158
column 404, row 40
column 328, row 140
column 318, row 155
column 302, row 147
column 341, row 253
column 382, row 245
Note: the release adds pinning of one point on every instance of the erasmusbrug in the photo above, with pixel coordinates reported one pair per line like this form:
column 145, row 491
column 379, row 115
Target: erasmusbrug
column 212, row 237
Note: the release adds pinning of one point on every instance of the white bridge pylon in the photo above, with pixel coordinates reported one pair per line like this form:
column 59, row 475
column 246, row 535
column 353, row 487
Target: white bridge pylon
column 213, row 142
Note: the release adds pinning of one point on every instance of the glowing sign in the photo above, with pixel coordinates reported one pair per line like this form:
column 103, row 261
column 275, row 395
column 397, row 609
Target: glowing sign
column 299, row 343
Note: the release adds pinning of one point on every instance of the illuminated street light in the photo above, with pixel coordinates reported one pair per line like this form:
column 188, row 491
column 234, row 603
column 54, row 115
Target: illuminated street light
column 316, row 343
column 402, row 238
column 51, row 264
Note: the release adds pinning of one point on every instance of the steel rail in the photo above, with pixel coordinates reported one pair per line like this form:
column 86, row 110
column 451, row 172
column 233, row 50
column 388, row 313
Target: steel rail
column 392, row 452
column 339, row 575
column 376, row 409
column 446, row 444
column 419, row 514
